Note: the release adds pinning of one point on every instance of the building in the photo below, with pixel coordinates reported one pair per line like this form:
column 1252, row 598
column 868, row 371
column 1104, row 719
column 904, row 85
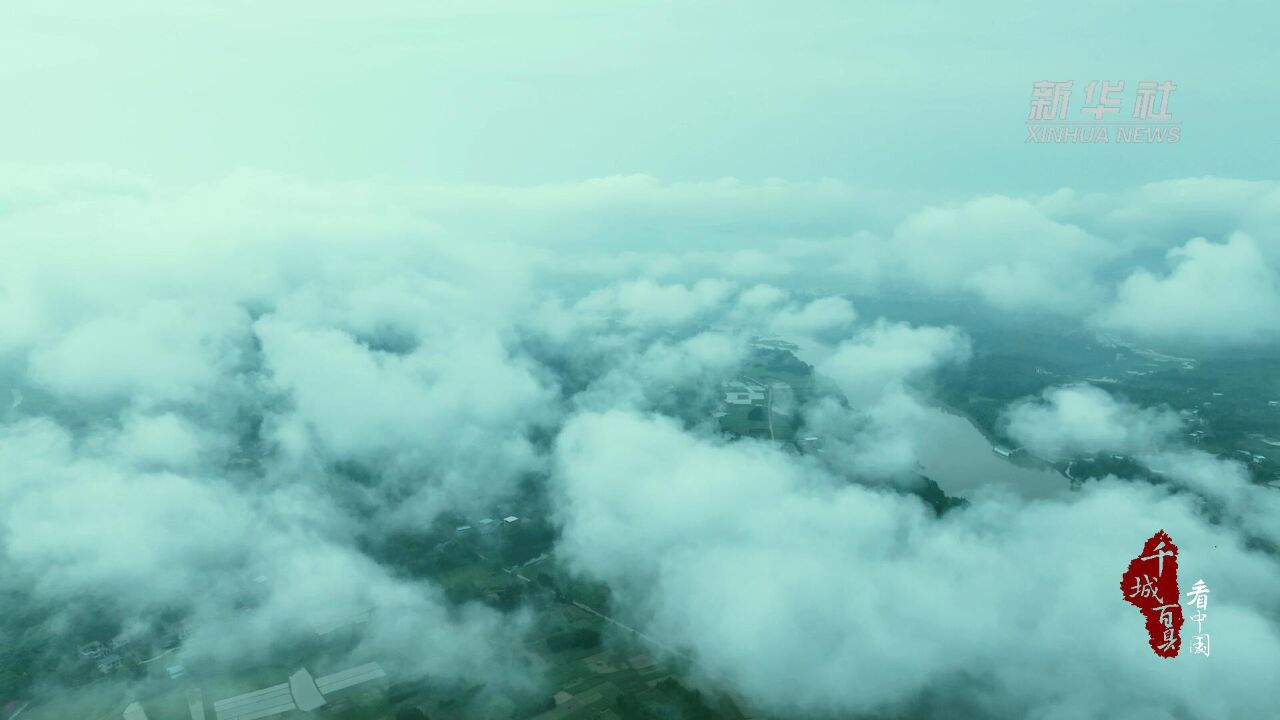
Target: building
column 301, row 692
column 109, row 663
column 741, row 392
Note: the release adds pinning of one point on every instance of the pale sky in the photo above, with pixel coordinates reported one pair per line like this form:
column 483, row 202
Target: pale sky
column 929, row 96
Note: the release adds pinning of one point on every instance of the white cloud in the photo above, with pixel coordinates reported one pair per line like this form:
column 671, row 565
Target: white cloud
column 165, row 440
column 1006, row 251
column 644, row 303
column 828, row 318
column 806, row 595
column 196, row 360
column 885, row 357
column 1215, row 293
column 1085, row 420
column 164, row 351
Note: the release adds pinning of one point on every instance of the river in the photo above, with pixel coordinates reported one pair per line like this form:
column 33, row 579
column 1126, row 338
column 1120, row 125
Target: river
column 954, row 454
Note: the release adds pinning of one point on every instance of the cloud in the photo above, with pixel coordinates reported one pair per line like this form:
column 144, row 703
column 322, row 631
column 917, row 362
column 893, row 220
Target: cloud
column 805, row 594
column 870, row 443
column 162, row 352
column 203, row 372
column 1076, row 420
column 1214, row 293
column 1227, row 488
column 165, row 440
column 1080, row 420
column 81, row 525
column 263, row 376
column 828, row 318
column 887, row 356
column 1004, row 250
column 644, row 303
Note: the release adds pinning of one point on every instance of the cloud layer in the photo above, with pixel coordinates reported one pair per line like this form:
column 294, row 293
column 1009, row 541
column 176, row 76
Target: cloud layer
column 230, row 390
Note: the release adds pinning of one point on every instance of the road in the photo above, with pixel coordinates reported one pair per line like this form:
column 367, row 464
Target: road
column 768, row 394
column 785, row 399
column 769, row 410
column 633, row 631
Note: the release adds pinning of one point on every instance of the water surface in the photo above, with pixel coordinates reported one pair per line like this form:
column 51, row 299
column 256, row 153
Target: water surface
column 958, row 457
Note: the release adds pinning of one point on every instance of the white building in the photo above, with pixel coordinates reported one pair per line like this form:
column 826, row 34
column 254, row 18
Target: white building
column 302, row 692
column 740, row 392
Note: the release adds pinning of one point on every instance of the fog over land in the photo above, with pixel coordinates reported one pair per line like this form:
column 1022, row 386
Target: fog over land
column 234, row 389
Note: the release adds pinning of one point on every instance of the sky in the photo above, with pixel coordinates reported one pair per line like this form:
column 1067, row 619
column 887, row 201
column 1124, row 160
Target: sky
column 931, row 98
column 460, row 247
